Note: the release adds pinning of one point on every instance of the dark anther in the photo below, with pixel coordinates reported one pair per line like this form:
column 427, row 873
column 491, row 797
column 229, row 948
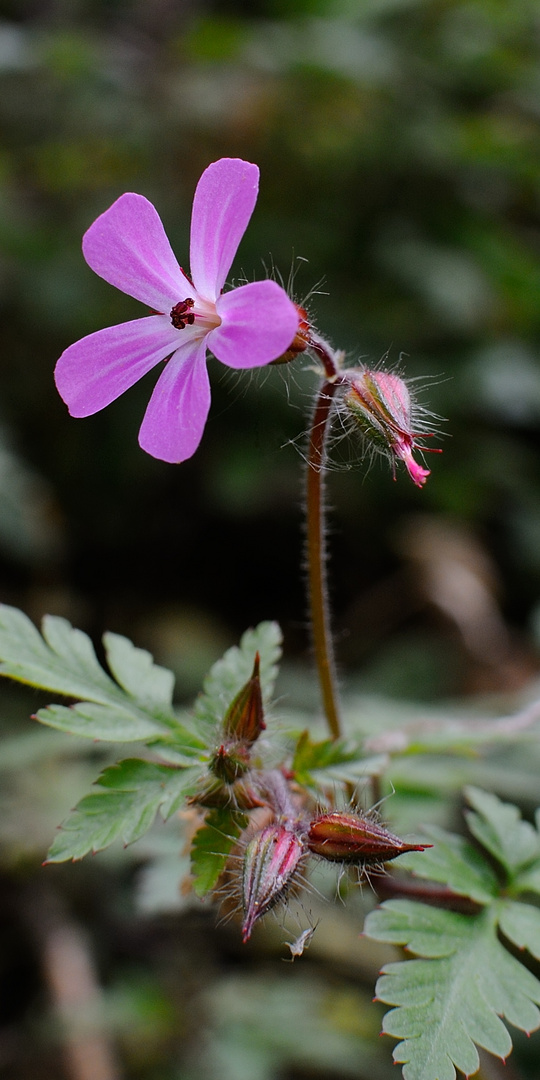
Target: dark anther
column 181, row 315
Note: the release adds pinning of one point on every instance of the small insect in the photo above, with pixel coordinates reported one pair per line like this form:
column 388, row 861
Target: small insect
column 300, row 943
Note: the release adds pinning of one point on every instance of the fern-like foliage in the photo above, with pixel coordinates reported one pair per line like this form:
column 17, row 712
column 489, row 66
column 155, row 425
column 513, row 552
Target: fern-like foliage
column 465, row 980
column 131, row 703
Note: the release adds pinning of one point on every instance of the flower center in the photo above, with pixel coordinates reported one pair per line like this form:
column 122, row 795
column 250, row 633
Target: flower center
column 182, row 315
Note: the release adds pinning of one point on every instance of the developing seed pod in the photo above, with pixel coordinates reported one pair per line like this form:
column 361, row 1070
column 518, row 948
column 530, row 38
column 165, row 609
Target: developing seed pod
column 271, row 860
column 351, row 838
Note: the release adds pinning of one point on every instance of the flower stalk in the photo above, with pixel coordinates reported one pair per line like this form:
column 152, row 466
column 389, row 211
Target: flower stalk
column 315, row 542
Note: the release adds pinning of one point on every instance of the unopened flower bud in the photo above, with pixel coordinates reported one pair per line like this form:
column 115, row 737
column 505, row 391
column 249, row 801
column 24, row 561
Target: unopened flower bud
column 380, row 404
column 242, row 724
column 351, row 838
column 270, row 861
column 244, row 719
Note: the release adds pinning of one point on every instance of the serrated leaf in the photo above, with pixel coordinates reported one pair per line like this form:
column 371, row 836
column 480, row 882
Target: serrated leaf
column 123, row 805
column 229, row 674
column 451, row 1003
column 104, row 722
column 64, row 661
column 135, row 670
column 498, row 826
column 212, row 845
column 456, row 863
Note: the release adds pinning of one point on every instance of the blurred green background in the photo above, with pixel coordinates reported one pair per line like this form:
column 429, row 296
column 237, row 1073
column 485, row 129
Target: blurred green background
column 399, row 148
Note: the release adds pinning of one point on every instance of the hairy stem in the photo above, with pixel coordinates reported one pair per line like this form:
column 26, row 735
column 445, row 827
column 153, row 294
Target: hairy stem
column 315, row 549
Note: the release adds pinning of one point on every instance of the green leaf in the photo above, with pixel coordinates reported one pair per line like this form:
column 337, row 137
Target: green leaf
column 451, row 1003
column 529, row 879
column 64, row 661
column 455, row 862
column 332, row 761
column 499, row 828
column 135, row 670
column 123, row 805
column 212, row 845
column 106, row 722
column 521, row 925
column 230, row 673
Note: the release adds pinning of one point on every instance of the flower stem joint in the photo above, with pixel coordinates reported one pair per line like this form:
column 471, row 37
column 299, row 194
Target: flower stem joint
column 351, row 838
column 380, row 405
column 301, row 341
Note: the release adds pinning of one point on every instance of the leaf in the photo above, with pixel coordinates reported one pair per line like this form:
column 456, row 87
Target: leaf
column 332, row 761
column 229, row 674
column 64, row 661
column 521, row 925
column 212, row 845
column 135, row 670
column 453, row 861
column 529, row 879
column 123, row 805
column 498, row 827
column 106, row 722
column 451, row 1003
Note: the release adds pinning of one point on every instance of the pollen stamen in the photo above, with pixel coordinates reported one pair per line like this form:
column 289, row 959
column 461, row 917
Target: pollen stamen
column 181, row 315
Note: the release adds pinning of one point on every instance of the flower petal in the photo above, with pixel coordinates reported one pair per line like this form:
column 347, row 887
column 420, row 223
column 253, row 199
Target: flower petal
column 224, row 200
column 174, row 420
column 98, row 368
column 259, row 323
column 128, row 247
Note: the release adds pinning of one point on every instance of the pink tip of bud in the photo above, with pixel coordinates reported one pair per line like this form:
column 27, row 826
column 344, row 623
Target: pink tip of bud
column 416, row 472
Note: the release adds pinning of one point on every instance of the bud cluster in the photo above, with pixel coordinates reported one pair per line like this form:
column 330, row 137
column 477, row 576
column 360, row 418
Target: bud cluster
column 276, row 856
column 284, row 833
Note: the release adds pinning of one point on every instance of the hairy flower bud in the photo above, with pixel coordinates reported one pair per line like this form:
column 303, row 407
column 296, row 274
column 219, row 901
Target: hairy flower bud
column 242, row 724
column 270, row 861
column 351, row 838
column 380, row 405
column 244, row 719
column 230, row 761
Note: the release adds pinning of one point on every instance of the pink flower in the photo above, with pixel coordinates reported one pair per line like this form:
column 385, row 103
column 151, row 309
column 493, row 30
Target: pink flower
column 244, row 328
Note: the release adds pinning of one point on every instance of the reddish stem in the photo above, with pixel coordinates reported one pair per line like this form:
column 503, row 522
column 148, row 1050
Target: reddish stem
column 315, row 549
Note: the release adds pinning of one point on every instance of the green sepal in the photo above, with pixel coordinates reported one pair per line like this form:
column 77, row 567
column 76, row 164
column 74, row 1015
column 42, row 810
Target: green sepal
column 212, row 845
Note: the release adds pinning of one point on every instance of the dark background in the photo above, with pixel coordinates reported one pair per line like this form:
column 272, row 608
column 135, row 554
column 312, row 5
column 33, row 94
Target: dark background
column 399, row 148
